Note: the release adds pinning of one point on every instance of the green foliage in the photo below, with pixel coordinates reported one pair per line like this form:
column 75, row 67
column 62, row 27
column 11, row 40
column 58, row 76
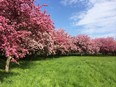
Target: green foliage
column 73, row 71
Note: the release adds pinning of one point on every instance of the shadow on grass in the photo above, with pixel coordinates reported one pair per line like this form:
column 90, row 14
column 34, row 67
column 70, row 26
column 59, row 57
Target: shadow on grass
column 22, row 65
column 36, row 57
column 4, row 75
column 27, row 62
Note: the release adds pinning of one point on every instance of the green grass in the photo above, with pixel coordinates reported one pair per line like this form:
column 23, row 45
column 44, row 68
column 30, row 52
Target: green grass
column 73, row 71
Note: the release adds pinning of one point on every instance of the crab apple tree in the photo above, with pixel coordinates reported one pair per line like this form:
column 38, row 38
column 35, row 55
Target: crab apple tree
column 72, row 47
column 106, row 45
column 85, row 45
column 44, row 46
column 61, row 42
column 11, row 47
column 21, row 21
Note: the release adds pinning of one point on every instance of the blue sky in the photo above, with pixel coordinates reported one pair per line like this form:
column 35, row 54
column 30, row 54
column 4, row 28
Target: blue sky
column 96, row 18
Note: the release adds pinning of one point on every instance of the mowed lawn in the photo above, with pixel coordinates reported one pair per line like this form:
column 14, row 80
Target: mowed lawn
column 72, row 71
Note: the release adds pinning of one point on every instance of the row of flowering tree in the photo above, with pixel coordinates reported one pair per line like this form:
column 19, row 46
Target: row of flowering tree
column 83, row 44
column 26, row 30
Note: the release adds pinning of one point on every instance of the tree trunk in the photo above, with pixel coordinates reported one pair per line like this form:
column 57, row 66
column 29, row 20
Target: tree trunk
column 7, row 64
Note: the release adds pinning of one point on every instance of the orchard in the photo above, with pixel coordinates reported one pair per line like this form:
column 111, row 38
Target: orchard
column 26, row 30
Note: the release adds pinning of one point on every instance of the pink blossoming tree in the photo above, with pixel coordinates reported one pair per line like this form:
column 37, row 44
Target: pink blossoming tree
column 85, row 45
column 106, row 45
column 21, row 22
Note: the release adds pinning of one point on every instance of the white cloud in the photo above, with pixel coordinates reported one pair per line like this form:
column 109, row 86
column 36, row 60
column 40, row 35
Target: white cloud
column 72, row 2
column 69, row 2
column 99, row 20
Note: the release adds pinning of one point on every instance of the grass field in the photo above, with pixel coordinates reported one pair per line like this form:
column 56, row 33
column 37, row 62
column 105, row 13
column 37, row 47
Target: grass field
column 72, row 71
